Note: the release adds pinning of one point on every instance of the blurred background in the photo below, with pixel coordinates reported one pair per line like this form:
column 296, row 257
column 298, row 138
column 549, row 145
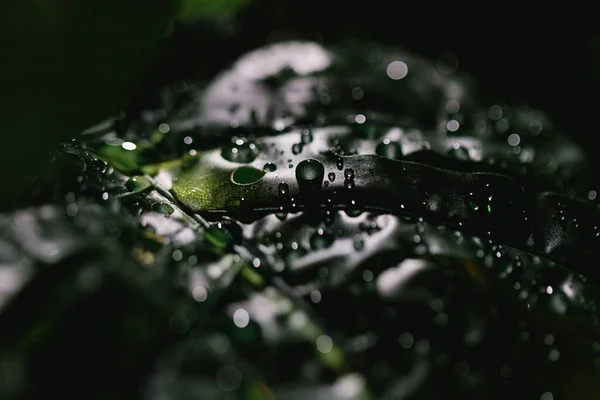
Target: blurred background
column 67, row 65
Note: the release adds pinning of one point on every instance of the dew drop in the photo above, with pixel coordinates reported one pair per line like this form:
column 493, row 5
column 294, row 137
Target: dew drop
column 163, row 208
column 137, row 183
column 297, row 148
column 306, row 137
column 269, row 167
column 339, row 162
column 358, row 244
column 246, row 175
column 240, row 151
column 283, row 189
column 310, row 173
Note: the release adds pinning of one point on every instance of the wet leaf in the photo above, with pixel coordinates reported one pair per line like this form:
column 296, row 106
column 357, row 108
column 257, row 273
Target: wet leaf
column 321, row 224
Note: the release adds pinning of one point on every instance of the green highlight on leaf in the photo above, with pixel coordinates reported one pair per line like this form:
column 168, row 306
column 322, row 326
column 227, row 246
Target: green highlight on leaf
column 252, row 276
column 137, row 184
column 121, row 158
column 218, row 238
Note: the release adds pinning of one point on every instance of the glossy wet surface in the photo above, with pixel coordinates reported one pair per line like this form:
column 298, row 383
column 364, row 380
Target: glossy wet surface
column 342, row 223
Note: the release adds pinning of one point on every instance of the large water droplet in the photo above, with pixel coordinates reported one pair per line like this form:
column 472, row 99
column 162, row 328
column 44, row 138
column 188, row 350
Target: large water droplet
column 349, row 174
column 100, row 165
column 246, row 175
column 310, row 172
column 137, row 184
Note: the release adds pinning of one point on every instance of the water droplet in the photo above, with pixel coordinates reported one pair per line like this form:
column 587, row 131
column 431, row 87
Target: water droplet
column 495, row 112
column 452, row 125
column 592, row 195
column 137, row 184
column 339, row 162
column 349, row 173
column 72, row 209
column 283, row 189
column 129, row 146
column 241, row 318
column 297, row 148
column 324, row 344
column 246, row 175
column 514, row 139
column 310, row 173
column 315, row 296
column 553, row 355
column 397, row 70
column 177, row 255
column 353, row 210
column 163, row 208
column 358, row 244
column 240, row 151
column 269, row 167
column 480, row 203
column 306, row 137
column 200, row 294
column 452, row 106
column 331, row 176
column 100, row 165
column 360, row 119
column 164, row 128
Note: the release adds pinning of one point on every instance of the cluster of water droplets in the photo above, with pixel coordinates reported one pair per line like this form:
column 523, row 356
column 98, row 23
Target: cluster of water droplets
column 377, row 189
